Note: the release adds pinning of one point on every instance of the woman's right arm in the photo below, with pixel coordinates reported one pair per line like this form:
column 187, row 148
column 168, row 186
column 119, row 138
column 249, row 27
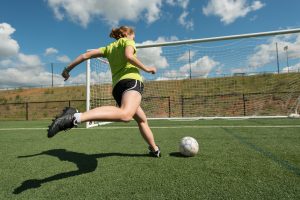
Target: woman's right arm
column 85, row 56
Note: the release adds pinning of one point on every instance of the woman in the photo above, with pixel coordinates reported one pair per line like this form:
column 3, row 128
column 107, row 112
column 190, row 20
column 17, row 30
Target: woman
column 127, row 88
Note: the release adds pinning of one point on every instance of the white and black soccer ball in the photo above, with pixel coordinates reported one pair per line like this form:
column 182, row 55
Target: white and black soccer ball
column 188, row 146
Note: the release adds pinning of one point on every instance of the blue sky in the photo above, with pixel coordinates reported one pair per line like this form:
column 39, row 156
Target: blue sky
column 35, row 33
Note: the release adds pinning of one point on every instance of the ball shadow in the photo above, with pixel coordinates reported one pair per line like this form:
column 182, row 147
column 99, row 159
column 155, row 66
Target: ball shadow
column 177, row 154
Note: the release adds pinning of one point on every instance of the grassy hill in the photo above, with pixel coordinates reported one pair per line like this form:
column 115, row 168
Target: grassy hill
column 265, row 94
column 42, row 94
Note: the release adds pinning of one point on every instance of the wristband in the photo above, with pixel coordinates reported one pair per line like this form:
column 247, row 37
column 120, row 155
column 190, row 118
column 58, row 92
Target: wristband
column 66, row 69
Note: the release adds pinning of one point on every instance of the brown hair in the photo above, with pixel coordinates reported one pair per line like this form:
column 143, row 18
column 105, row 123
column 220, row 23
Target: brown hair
column 121, row 32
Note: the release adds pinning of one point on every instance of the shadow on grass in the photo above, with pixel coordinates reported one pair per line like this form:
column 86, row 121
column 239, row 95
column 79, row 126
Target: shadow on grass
column 177, row 154
column 85, row 163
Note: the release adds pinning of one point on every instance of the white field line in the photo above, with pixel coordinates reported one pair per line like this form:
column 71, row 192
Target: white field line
column 167, row 127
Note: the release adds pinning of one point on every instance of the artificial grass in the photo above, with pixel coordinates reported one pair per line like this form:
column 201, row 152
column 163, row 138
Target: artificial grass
column 103, row 163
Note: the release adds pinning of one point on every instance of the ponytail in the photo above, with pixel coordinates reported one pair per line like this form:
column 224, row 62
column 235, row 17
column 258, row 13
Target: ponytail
column 121, row 32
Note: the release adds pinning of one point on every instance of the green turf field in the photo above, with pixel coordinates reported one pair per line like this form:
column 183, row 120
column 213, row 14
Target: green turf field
column 238, row 159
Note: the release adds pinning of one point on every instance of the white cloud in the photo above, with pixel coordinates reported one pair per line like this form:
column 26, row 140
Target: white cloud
column 97, row 77
column 64, row 59
column 61, row 58
column 153, row 56
column 100, row 73
column 186, row 56
column 293, row 68
column 201, row 67
column 230, row 10
column 25, row 70
column 171, row 2
column 14, row 77
column 29, row 60
column 19, row 69
column 188, row 24
column 266, row 53
column 83, row 12
column 172, row 75
column 182, row 19
column 240, row 70
column 4, row 63
column 9, row 46
column 22, row 62
column 50, row 51
column 181, row 3
column 257, row 5
column 111, row 11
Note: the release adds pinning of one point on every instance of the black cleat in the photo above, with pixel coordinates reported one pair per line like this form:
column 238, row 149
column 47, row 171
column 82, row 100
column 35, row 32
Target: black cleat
column 68, row 110
column 62, row 122
column 153, row 153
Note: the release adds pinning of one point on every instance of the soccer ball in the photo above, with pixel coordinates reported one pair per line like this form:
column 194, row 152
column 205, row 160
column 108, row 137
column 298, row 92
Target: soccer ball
column 188, row 146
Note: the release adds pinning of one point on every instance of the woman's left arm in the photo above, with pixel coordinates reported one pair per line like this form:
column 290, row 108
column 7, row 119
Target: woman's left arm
column 129, row 54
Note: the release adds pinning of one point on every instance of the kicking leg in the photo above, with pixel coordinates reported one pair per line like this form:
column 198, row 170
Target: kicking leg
column 130, row 102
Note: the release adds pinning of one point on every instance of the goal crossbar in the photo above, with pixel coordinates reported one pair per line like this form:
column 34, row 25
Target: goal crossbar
column 213, row 39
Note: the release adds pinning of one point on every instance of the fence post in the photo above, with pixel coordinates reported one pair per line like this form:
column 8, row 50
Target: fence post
column 182, row 102
column 244, row 104
column 190, row 64
column 27, row 114
column 277, row 58
column 52, row 72
column 169, row 98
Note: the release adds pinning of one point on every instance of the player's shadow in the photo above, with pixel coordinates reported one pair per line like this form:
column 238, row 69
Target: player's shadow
column 86, row 163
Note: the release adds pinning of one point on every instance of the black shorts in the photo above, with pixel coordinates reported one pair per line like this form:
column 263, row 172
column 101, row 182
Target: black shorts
column 124, row 86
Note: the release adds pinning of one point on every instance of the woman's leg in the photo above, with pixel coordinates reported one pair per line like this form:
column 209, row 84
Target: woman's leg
column 145, row 130
column 130, row 102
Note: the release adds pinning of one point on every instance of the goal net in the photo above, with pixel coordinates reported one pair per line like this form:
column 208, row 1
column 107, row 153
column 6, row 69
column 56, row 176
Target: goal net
column 242, row 76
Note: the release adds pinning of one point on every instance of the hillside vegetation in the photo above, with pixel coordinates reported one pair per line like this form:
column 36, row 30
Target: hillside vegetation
column 232, row 96
column 187, row 87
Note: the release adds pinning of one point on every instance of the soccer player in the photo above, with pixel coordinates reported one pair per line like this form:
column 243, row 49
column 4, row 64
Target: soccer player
column 127, row 88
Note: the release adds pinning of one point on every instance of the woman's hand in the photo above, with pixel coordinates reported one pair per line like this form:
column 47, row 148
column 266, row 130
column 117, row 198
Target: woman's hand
column 151, row 70
column 65, row 74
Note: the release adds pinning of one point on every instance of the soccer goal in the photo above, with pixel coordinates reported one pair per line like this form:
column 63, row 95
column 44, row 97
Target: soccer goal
column 240, row 76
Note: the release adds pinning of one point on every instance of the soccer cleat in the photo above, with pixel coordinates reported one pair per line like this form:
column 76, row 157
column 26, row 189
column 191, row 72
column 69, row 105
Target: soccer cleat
column 63, row 122
column 153, row 153
column 68, row 110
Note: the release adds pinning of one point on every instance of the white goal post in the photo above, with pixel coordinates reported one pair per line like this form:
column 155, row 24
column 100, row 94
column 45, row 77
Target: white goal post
column 239, row 76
